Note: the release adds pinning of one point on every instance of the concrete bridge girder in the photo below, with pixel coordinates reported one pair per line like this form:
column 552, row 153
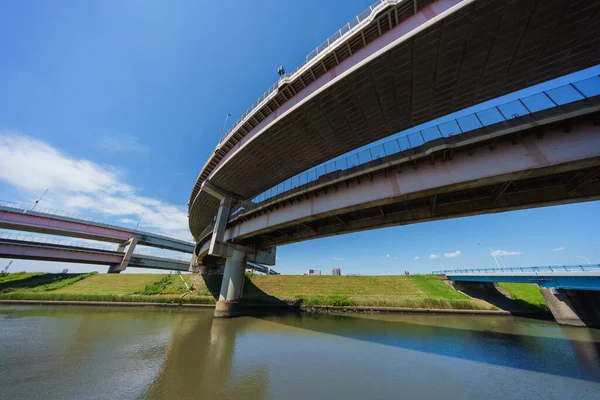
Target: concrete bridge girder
column 65, row 253
column 556, row 153
column 38, row 222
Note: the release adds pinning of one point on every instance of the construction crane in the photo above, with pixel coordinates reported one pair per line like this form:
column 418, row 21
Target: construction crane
column 6, row 268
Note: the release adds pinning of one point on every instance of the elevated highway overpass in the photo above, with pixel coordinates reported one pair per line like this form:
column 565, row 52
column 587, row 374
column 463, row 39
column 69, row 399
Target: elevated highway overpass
column 397, row 65
column 49, row 250
column 494, row 163
column 19, row 217
column 545, row 158
column 32, row 250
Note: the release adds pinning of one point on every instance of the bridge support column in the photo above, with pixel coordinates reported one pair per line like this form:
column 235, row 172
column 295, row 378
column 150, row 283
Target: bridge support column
column 220, row 223
column 194, row 267
column 574, row 307
column 126, row 248
column 232, row 285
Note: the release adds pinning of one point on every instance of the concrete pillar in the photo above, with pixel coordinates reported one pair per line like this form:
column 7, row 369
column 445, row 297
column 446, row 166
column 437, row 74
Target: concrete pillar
column 574, row 307
column 127, row 248
column 220, row 223
column 561, row 307
column 194, row 268
column 232, row 285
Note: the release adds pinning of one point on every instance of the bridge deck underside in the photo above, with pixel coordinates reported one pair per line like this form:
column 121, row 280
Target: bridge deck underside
column 577, row 180
column 25, row 250
column 548, row 187
column 487, row 49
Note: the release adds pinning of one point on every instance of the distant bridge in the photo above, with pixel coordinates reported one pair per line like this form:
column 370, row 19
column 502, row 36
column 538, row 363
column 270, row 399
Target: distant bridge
column 572, row 292
column 576, row 277
column 45, row 249
column 19, row 217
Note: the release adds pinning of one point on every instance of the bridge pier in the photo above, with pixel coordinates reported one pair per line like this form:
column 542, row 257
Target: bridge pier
column 574, row 307
column 126, row 248
column 232, row 285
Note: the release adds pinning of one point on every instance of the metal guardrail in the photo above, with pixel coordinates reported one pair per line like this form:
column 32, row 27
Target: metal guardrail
column 522, row 270
column 558, row 96
column 355, row 24
column 25, row 208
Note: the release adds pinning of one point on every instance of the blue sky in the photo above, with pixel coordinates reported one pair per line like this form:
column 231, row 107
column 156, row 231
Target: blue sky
column 116, row 105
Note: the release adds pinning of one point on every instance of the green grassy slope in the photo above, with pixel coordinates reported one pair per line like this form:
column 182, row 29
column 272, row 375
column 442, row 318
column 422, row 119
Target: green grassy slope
column 416, row 291
column 111, row 284
column 38, row 282
column 377, row 287
column 527, row 292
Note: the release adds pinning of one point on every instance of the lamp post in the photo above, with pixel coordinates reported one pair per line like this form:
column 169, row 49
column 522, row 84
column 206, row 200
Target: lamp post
column 140, row 220
column 38, row 200
column 223, row 128
column 494, row 257
column 583, row 258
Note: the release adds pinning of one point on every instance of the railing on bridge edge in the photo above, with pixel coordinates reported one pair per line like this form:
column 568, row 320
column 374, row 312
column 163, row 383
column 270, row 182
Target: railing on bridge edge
column 345, row 31
column 24, row 208
column 521, row 270
column 544, row 100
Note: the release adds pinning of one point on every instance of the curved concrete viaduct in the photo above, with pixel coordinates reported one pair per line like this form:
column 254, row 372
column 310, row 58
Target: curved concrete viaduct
column 403, row 64
column 410, row 68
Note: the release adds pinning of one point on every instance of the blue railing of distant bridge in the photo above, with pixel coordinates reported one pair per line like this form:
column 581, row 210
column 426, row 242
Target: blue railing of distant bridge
column 575, row 277
column 523, row 270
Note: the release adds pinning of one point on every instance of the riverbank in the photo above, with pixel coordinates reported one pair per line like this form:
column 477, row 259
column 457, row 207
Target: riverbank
column 258, row 308
column 424, row 293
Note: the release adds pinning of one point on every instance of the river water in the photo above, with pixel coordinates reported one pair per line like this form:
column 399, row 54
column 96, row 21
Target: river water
column 113, row 353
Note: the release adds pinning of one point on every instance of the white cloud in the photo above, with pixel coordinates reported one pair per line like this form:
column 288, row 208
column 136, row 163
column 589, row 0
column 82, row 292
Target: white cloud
column 457, row 253
column 82, row 186
column 503, row 253
column 433, row 256
column 559, row 248
column 395, row 258
column 417, row 257
column 338, row 258
column 121, row 144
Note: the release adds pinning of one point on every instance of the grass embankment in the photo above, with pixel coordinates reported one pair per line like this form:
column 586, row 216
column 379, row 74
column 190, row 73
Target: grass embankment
column 526, row 292
column 38, row 282
column 147, row 288
column 419, row 291
column 377, row 291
